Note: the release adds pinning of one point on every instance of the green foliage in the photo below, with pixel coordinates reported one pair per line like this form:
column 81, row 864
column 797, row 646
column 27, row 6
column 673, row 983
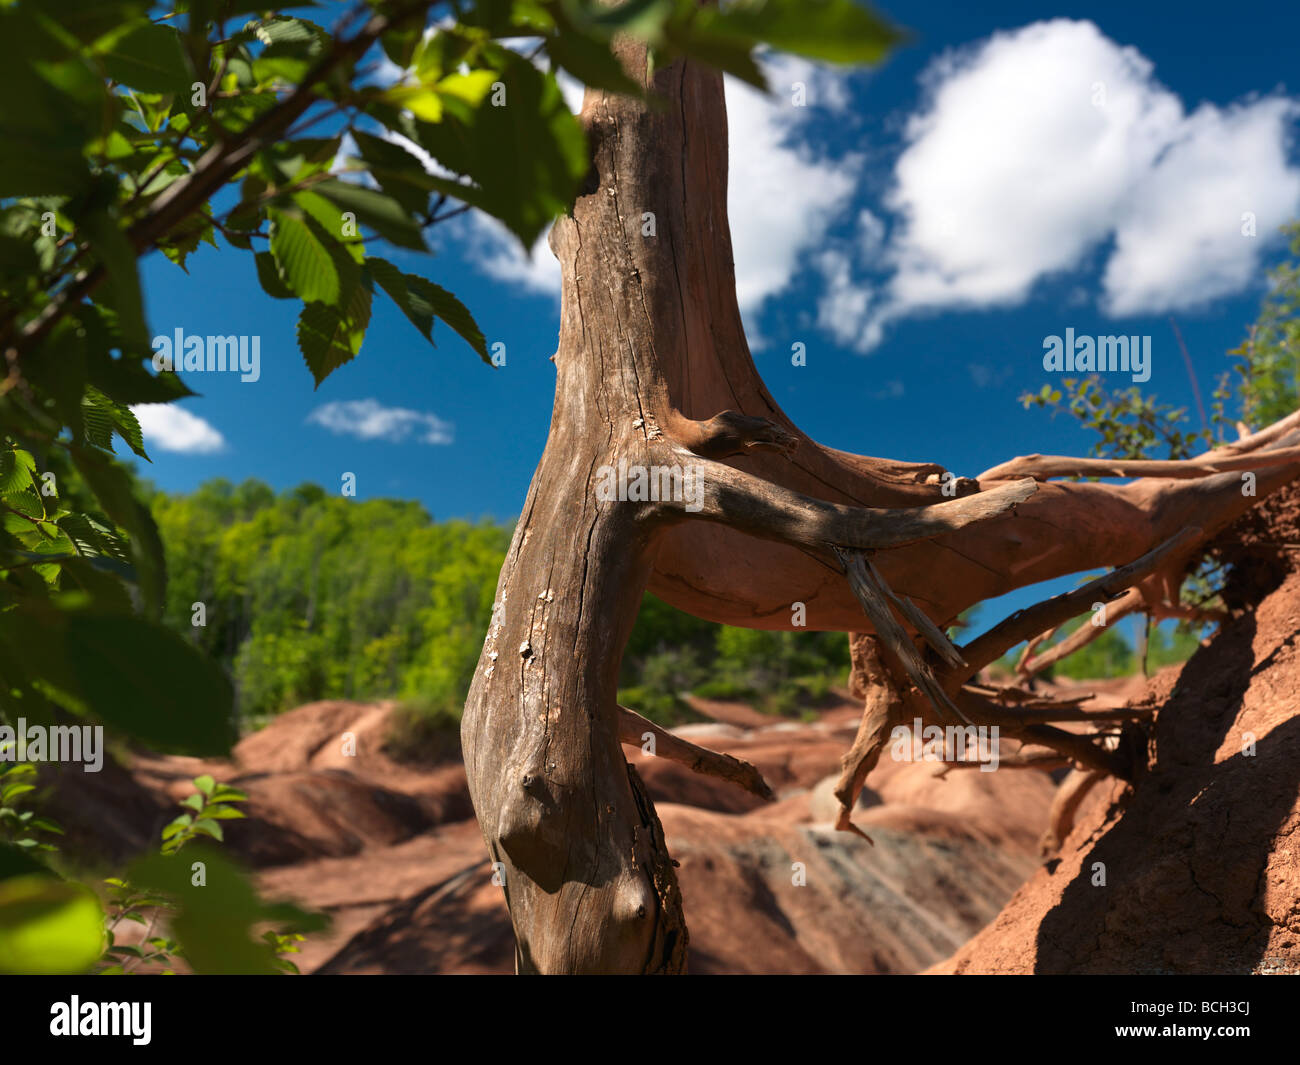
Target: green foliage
column 21, row 828
column 1267, row 372
column 1262, row 387
column 204, row 810
column 47, row 925
column 1128, row 424
column 1109, row 655
column 309, row 596
column 671, row 654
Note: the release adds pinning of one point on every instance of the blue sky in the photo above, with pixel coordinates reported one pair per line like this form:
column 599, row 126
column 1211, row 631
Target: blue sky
column 1013, row 171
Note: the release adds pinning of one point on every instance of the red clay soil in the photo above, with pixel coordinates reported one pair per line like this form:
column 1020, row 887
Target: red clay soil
column 393, row 854
column 1201, row 855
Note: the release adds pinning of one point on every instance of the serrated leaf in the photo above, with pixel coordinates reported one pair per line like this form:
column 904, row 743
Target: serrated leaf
column 377, row 210
column 329, row 338
column 841, row 31
column 304, row 263
column 444, row 305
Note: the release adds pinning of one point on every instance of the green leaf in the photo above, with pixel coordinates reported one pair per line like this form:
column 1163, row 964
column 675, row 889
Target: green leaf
column 285, row 29
column 328, row 338
column 133, row 674
column 150, row 683
column 48, row 926
column 379, row 211
column 16, row 472
column 150, row 58
column 10, row 791
column 93, row 539
column 174, row 828
column 214, row 922
column 208, row 827
column 422, row 301
column 393, row 282
column 305, row 265
column 400, row 44
column 205, row 783
column 15, row 861
column 841, row 31
column 55, row 106
column 592, row 63
column 444, row 305
column 520, row 146
column 113, row 490
column 399, row 173
column 103, row 417
column 269, row 277
column 122, row 288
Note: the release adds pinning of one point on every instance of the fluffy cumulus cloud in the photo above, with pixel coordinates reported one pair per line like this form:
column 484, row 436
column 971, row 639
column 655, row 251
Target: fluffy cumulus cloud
column 1038, row 147
column 783, row 197
column 368, row 419
column 172, row 428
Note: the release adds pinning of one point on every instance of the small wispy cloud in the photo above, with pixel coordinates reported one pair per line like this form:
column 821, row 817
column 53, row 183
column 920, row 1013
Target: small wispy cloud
column 368, row 419
column 172, row 428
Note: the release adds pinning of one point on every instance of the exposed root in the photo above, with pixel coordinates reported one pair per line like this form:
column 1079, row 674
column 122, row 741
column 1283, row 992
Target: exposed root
column 1060, row 819
column 1041, row 467
column 881, row 710
column 762, row 508
column 1027, row 623
column 875, row 598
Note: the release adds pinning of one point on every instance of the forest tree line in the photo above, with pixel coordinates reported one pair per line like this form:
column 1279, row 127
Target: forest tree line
column 304, row 595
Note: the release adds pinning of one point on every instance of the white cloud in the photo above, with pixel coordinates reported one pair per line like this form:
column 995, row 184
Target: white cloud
column 368, row 419
column 172, row 428
column 498, row 253
column 1038, row 146
column 1181, row 239
column 782, row 197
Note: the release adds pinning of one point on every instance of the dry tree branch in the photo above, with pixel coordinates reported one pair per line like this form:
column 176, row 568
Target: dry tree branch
column 1065, row 804
column 1128, row 603
column 632, row 729
column 761, row 508
column 1041, row 467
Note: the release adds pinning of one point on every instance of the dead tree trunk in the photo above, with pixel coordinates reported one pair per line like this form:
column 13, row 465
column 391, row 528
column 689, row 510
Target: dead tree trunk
column 724, row 508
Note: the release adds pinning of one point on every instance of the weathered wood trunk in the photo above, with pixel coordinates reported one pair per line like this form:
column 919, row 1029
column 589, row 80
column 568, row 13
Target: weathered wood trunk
column 586, row 873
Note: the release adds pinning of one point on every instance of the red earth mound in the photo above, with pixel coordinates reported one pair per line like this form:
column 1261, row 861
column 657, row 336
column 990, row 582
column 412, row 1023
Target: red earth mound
column 393, row 854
